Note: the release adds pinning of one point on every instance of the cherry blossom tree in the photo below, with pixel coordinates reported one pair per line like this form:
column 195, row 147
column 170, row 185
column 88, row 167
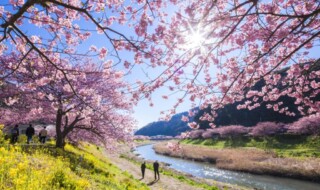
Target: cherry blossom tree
column 263, row 129
column 212, row 51
column 309, row 125
column 233, row 131
column 46, row 74
column 77, row 29
column 97, row 113
column 50, row 27
column 218, row 50
column 210, row 133
column 195, row 134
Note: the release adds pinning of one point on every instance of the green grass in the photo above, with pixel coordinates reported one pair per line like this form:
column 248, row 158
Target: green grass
column 103, row 172
column 181, row 178
column 85, row 167
column 283, row 146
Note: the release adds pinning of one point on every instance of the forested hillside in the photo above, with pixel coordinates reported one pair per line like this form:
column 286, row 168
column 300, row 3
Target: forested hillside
column 229, row 115
column 172, row 127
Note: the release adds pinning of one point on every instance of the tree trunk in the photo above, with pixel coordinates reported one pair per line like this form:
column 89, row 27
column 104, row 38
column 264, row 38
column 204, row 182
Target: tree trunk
column 60, row 137
column 60, row 142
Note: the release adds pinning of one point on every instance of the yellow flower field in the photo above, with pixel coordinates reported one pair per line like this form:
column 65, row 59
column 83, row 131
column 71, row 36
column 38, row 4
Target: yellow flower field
column 31, row 167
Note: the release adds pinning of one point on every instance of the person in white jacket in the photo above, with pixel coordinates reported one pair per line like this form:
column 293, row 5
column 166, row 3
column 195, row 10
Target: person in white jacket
column 43, row 135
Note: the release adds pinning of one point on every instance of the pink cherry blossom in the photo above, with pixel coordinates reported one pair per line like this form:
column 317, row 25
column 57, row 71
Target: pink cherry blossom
column 246, row 43
column 193, row 125
column 102, row 53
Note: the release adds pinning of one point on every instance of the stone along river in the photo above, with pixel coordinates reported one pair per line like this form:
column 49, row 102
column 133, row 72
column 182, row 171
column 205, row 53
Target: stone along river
column 206, row 170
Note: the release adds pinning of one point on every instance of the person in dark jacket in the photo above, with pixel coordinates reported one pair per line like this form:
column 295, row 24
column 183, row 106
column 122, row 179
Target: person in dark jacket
column 29, row 133
column 14, row 134
column 156, row 170
column 143, row 169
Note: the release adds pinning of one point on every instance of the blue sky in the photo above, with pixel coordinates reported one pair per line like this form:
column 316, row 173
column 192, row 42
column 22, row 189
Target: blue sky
column 145, row 114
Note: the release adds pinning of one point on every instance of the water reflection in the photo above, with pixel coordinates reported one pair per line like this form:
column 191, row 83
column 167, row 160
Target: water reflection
column 206, row 170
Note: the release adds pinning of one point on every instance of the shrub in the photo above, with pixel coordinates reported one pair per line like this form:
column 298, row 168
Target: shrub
column 233, row 131
column 268, row 128
column 209, row 133
column 309, row 125
column 195, row 134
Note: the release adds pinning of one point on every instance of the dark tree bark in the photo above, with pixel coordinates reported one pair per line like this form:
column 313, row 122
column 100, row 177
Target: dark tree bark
column 60, row 142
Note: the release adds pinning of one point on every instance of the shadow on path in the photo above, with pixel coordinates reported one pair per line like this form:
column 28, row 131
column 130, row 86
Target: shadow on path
column 153, row 182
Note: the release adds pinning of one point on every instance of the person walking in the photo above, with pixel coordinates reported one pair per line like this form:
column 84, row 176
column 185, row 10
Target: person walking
column 14, row 134
column 156, row 170
column 29, row 133
column 143, row 169
column 43, row 135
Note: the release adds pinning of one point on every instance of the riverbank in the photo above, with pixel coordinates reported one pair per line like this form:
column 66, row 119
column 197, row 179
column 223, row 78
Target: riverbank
column 292, row 146
column 252, row 160
column 171, row 179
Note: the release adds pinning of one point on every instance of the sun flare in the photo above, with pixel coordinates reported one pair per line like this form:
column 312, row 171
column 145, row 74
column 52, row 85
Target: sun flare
column 196, row 39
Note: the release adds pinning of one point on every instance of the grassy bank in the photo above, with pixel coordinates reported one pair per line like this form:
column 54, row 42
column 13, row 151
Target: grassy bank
column 260, row 159
column 282, row 146
column 46, row 167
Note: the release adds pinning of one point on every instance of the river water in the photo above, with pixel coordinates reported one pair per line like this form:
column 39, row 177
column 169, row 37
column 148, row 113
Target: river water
column 206, row 170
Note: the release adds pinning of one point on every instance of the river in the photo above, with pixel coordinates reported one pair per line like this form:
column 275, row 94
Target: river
column 206, row 170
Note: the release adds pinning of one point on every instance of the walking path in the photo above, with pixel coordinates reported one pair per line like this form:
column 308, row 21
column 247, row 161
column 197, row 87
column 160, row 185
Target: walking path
column 165, row 182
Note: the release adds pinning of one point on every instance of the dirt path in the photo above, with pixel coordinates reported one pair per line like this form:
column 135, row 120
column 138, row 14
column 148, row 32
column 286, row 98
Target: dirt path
column 165, row 182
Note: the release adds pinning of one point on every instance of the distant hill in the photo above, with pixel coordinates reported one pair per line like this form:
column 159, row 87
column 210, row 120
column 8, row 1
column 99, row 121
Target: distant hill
column 172, row 127
column 229, row 115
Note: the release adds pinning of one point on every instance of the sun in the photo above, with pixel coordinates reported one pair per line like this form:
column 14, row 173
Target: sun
column 196, row 39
